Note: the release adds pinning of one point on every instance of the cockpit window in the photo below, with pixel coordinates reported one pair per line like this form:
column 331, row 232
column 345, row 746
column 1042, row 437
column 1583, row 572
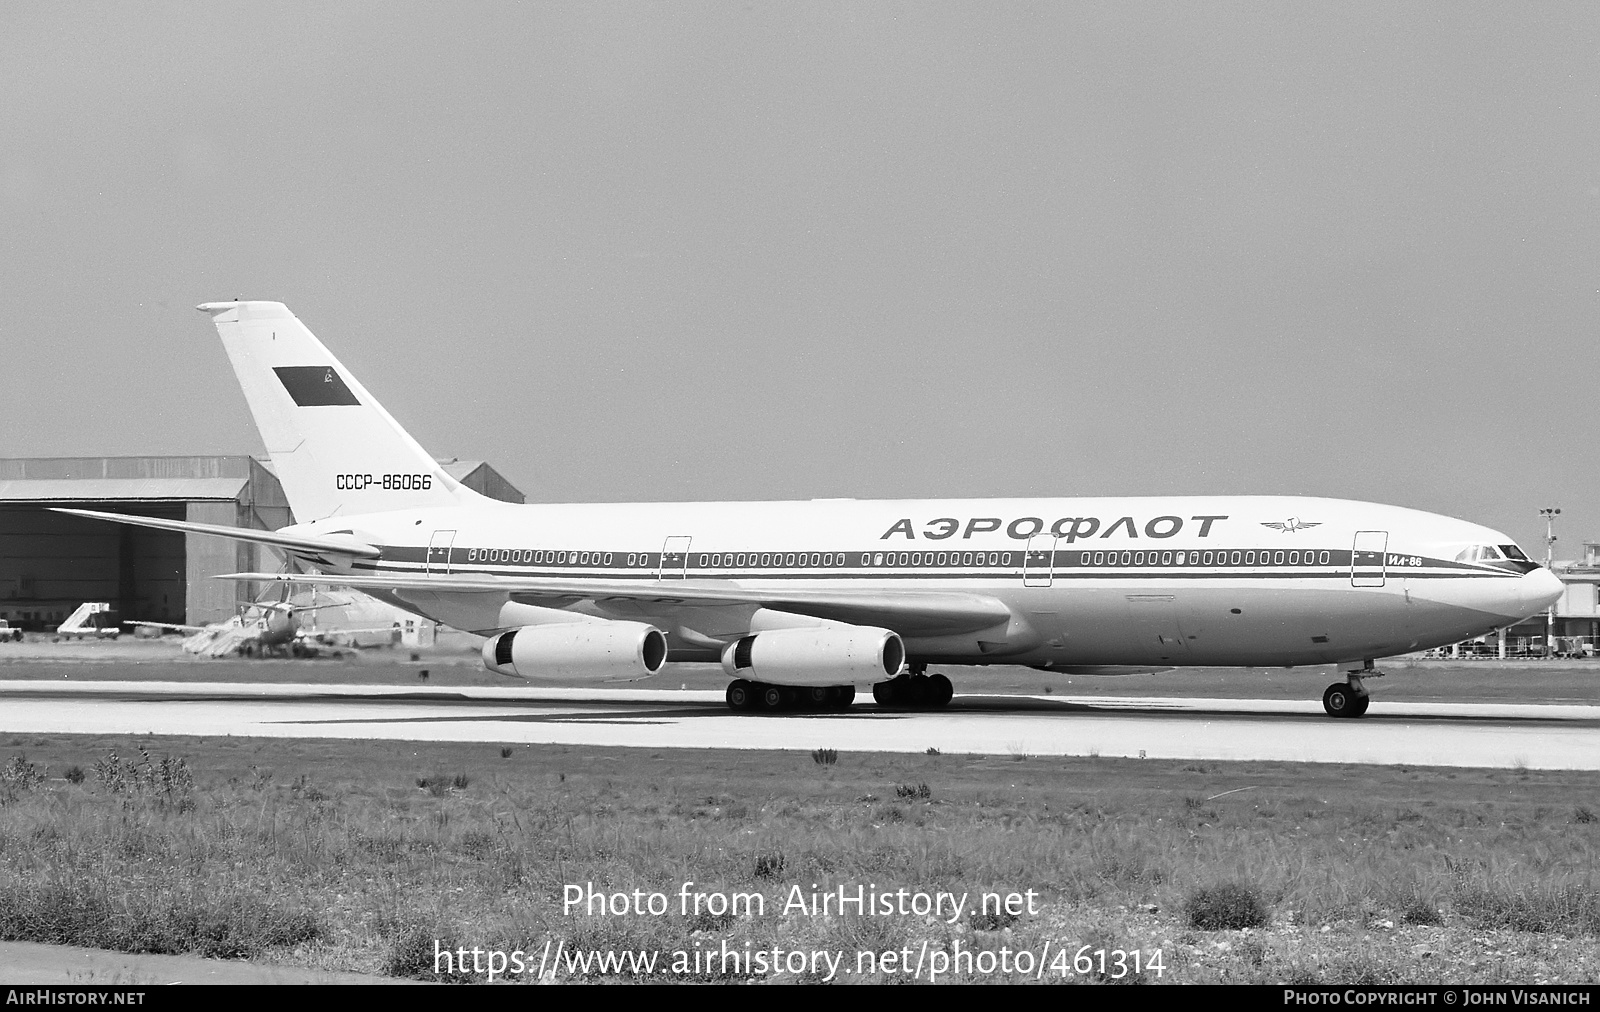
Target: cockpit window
column 1506, row 557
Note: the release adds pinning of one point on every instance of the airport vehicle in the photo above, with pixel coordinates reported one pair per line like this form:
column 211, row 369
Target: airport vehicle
column 9, row 632
column 90, row 620
column 802, row 601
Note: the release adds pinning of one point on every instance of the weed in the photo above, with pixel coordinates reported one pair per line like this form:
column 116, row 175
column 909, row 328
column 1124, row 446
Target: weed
column 505, row 751
column 1226, row 907
column 167, row 779
column 418, row 953
column 440, row 784
column 476, row 844
column 1419, row 909
column 1582, row 815
column 769, row 865
column 302, row 788
column 1568, row 909
column 825, row 756
column 714, row 923
column 224, row 925
column 991, row 920
column 74, row 774
column 918, row 792
column 931, row 751
column 20, row 774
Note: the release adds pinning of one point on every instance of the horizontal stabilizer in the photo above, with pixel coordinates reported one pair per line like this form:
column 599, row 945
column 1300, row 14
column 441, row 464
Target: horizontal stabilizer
column 301, row 544
column 907, row 612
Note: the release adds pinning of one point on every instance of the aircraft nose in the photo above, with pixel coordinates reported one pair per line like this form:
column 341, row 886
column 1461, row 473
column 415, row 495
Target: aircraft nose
column 1540, row 589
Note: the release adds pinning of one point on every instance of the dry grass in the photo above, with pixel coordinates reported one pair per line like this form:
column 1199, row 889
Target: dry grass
column 360, row 855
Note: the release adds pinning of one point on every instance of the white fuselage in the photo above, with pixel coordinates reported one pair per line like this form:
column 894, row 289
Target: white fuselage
column 1241, row 580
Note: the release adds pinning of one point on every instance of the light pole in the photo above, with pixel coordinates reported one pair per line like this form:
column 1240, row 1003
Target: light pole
column 1550, row 513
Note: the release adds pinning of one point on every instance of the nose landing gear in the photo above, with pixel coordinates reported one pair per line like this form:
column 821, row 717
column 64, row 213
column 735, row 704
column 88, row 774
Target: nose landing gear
column 1350, row 698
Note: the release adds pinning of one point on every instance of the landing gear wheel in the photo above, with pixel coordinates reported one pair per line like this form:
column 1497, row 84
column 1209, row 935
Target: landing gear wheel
column 818, row 697
column 1340, row 700
column 917, row 692
column 846, row 696
column 740, row 695
column 769, row 697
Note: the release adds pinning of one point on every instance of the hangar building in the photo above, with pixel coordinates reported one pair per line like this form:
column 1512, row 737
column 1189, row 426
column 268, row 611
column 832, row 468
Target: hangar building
column 50, row 563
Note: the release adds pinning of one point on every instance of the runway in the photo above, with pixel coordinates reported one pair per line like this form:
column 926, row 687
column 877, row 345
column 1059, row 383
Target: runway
column 1408, row 733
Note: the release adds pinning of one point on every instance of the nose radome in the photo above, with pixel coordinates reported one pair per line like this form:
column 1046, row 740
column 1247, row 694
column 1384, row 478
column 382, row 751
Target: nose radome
column 1540, row 589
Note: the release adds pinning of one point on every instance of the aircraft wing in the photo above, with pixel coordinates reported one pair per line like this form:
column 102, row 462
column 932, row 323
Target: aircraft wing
column 341, row 631
column 907, row 612
column 166, row 625
column 301, row 608
column 317, row 549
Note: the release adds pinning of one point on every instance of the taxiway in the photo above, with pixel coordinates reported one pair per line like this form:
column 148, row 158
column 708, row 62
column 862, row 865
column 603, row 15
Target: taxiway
column 1506, row 735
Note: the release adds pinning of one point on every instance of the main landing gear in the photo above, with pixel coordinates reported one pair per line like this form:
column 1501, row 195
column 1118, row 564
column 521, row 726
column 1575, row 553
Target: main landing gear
column 746, row 695
column 914, row 691
column 1350, row 698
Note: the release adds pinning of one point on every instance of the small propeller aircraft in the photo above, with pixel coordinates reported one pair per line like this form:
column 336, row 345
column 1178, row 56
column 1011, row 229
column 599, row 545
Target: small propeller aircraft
column 261, row 629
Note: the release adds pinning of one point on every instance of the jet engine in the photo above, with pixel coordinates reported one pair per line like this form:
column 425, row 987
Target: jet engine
column 588, row 651
column 816, row 655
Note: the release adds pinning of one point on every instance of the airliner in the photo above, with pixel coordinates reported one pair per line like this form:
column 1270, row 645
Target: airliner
column 803, row 602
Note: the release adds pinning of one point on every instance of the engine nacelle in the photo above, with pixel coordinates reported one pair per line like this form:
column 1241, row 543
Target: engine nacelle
column 587, row 651
column 816, row 655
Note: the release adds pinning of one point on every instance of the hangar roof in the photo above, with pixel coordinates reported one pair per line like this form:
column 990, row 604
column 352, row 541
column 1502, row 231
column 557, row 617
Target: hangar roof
column 144, row 479
column 143, row 489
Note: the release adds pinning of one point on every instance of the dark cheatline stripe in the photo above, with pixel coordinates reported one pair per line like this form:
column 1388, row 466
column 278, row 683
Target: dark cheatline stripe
column 1067, row 565
column 315, row 386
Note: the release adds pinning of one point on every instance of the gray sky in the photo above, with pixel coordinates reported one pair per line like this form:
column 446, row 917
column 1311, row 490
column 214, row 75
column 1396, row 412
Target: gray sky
column 762, row 251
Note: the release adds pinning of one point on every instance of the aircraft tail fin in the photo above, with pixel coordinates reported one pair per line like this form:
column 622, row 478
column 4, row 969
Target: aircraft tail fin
column 335, row 449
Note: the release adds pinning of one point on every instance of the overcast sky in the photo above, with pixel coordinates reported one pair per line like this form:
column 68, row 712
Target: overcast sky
column 717, row 251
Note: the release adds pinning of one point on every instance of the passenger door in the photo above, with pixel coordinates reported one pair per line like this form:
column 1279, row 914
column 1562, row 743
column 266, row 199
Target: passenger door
column 439, row 551
column 1367, row 559
column 1039, row 563
column 674, row 558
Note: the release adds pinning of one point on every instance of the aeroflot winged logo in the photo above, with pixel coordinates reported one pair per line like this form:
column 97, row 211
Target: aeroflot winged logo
column 314, row 386
column 1291, row 525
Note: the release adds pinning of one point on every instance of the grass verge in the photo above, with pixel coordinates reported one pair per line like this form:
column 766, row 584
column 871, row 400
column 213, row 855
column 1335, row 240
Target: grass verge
column 375, row 856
